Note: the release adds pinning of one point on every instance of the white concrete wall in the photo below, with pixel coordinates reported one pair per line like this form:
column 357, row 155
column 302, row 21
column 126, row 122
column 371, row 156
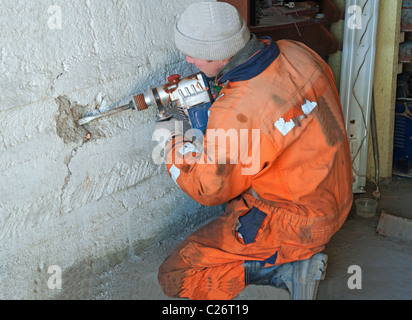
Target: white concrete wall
column 82, row 205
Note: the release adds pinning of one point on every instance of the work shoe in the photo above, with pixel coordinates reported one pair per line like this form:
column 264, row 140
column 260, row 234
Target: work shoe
column 301, row 278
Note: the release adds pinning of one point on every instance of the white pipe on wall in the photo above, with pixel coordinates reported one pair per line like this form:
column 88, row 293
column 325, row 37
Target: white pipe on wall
column 358, row 61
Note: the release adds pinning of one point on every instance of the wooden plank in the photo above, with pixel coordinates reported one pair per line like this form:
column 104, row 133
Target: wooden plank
column 395, row 227
column 402, row 37
column 400, row 68
column 386, row 71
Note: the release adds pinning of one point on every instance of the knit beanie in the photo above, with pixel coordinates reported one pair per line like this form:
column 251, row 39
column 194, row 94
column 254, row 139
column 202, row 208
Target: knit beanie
column 211, row 31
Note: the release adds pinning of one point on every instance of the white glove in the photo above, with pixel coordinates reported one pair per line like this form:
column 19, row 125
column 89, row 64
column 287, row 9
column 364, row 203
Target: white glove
column 163, row 132
column 165, row 129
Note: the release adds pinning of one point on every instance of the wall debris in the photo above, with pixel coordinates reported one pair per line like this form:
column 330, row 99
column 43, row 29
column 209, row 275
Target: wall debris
column 66, row 122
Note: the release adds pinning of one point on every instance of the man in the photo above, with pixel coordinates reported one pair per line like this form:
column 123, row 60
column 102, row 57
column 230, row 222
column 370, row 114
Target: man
column 285, row 175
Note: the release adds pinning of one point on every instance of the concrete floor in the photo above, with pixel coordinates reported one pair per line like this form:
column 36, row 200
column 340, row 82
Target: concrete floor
column 385, row 263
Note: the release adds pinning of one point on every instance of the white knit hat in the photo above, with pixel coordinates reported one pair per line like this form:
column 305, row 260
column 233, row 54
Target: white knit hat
column 211, row 31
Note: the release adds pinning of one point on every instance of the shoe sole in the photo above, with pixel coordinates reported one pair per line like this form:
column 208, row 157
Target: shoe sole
column 308, row 291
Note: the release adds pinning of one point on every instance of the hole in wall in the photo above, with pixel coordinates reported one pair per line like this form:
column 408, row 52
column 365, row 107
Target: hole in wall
column 67, row 126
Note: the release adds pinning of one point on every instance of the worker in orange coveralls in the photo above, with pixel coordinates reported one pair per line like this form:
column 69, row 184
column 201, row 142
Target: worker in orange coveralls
column 275, row 151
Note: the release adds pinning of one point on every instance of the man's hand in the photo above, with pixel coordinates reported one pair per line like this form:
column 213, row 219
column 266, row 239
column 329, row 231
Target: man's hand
column 164, row 130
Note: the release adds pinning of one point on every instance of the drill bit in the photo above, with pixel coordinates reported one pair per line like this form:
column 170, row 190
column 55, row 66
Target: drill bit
column 99, row 114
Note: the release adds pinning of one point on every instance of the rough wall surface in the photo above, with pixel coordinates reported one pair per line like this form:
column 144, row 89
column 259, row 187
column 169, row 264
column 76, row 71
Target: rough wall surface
column 82, row 199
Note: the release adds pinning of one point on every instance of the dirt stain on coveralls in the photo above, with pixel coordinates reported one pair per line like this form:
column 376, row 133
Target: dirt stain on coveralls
column 278, row 100
column 241, row 118
column 330, row 125
column 223, row 170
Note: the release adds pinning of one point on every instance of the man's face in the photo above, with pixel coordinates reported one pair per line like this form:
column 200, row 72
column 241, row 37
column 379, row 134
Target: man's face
column 209, row 67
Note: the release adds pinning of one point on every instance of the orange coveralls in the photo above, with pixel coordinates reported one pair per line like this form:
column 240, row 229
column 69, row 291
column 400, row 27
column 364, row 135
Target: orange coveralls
column 292, row 178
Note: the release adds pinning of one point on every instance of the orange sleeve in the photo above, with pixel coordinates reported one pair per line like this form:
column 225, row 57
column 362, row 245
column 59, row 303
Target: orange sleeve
column 219, row 173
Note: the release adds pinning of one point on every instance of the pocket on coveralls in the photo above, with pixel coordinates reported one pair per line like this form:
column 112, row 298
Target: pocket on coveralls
column 249, row 224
